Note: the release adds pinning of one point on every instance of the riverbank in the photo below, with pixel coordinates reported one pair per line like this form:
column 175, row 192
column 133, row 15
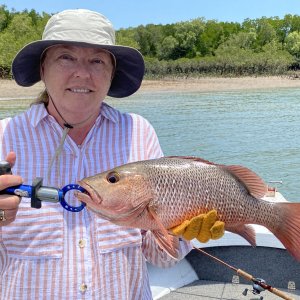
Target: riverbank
column 10, row 90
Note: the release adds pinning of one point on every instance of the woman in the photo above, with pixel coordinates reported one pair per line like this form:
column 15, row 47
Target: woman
column 70, row 133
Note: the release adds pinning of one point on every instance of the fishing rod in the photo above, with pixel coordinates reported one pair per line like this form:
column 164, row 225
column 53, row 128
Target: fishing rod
column 259, row 284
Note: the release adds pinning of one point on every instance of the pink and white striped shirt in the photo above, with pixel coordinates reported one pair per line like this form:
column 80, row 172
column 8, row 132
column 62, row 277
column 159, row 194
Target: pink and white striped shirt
column 50, row 253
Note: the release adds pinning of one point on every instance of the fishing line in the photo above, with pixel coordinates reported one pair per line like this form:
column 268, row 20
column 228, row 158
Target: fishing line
column 249, row 277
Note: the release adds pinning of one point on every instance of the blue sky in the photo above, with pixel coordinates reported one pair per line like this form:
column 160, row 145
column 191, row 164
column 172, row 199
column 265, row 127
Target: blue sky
column 131, row 13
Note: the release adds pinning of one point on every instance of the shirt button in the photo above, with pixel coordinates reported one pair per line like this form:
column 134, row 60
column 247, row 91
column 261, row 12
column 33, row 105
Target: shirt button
column 81, row 243
column 83, row 288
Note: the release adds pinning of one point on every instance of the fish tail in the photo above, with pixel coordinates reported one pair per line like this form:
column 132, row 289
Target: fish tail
column 288, row 231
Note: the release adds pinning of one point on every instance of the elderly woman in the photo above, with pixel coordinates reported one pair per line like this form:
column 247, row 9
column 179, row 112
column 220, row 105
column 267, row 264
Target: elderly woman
column 70, row 133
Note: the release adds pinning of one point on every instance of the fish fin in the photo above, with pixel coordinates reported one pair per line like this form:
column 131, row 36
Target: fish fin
column 165, row 240
column 169, row 244
column 253, row 183
column 288, row 228
column 245, row 231
column 158, row 221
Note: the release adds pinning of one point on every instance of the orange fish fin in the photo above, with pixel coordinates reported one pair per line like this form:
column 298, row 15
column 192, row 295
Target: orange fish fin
column 158, row 221
column 253, row 183
column 169, row 244
column 288, row 228
column 245, row 231
column 165, row 240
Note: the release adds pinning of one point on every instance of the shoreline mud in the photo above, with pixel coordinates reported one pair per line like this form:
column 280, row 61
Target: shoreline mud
column 10, row 90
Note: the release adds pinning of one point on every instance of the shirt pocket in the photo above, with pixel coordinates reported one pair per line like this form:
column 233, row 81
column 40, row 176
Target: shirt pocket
column 35, row 233
column 111, row 237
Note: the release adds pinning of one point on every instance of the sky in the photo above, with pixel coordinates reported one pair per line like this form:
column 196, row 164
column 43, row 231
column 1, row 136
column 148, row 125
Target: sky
column 132, row 13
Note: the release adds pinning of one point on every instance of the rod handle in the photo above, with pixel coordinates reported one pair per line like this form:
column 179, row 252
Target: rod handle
column 280, row 294
column 244, row 274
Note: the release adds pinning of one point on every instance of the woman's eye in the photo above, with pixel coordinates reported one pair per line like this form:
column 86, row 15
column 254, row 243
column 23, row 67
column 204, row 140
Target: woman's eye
column 113, row 177
column 66, row 57
column 97, row 61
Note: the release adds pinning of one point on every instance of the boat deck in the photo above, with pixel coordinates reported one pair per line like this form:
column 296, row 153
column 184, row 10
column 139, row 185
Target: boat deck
column 200, row 277
column 213, row 290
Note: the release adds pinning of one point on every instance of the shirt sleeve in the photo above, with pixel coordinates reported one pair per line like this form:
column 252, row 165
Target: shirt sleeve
column 3, row 150
column 152, row 143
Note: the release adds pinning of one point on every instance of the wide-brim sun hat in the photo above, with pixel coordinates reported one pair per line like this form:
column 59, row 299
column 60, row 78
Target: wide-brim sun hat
column 83, row 28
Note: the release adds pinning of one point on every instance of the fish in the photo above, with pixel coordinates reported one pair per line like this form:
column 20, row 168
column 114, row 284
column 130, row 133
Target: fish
column 159, row 194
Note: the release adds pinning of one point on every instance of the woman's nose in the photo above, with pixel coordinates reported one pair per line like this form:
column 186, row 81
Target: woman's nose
column 82, row 69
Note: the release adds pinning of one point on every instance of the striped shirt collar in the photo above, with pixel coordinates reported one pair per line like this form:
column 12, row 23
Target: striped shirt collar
column 38, row 112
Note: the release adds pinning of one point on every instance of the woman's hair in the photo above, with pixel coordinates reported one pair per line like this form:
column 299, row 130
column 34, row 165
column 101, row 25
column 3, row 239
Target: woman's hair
column 43, row 97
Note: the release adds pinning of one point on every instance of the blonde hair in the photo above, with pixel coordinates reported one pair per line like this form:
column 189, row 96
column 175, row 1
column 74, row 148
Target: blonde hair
column 43, row 97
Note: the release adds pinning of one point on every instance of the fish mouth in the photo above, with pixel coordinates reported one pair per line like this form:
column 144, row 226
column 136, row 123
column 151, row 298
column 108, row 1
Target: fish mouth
column 92, row 193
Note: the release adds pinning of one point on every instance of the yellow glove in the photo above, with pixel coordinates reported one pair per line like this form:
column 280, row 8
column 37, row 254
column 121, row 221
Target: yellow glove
column 202, row 227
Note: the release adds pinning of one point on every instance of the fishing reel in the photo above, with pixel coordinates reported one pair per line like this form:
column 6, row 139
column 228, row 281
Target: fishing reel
column 257, row 287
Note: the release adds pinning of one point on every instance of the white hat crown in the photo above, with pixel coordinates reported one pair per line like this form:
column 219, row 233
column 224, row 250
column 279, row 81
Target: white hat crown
column 69, row 25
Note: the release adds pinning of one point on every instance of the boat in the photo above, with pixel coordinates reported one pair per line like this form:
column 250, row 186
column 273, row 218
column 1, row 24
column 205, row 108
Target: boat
column 200, row 276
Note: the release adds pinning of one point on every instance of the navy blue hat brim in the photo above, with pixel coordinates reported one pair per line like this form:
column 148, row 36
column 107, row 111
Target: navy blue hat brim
column 128, row 76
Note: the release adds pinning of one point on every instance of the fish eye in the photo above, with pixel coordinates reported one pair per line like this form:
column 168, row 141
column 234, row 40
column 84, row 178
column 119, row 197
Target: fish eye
column 113, row 177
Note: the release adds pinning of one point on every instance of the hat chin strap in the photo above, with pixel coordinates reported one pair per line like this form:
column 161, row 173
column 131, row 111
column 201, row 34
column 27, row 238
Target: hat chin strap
column 57, row 153
column 67, row 128
column 67, row 124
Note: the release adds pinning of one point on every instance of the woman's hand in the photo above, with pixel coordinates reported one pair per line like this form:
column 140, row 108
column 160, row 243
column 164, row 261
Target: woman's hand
column 9, row 204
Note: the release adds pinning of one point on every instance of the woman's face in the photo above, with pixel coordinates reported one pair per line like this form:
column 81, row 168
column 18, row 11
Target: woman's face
column 77, row 78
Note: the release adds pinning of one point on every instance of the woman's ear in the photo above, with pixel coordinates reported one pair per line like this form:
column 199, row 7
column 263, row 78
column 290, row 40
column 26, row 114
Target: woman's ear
column 42, row 72
column 42, row 61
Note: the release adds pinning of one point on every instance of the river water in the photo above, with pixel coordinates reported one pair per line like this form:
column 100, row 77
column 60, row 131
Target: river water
column 255, row 128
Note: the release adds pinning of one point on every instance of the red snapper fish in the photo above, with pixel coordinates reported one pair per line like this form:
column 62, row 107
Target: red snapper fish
column 159, row 194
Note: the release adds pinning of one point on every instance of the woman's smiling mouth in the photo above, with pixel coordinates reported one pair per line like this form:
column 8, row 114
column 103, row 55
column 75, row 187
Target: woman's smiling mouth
column 79, row 90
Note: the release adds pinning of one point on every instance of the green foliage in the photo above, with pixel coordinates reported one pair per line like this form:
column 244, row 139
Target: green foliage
column 127, row 37
column 168, row 48
column 148, row 38
column 191, row 48
column 293, row 43
column 4, row 17
column 17, row 30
